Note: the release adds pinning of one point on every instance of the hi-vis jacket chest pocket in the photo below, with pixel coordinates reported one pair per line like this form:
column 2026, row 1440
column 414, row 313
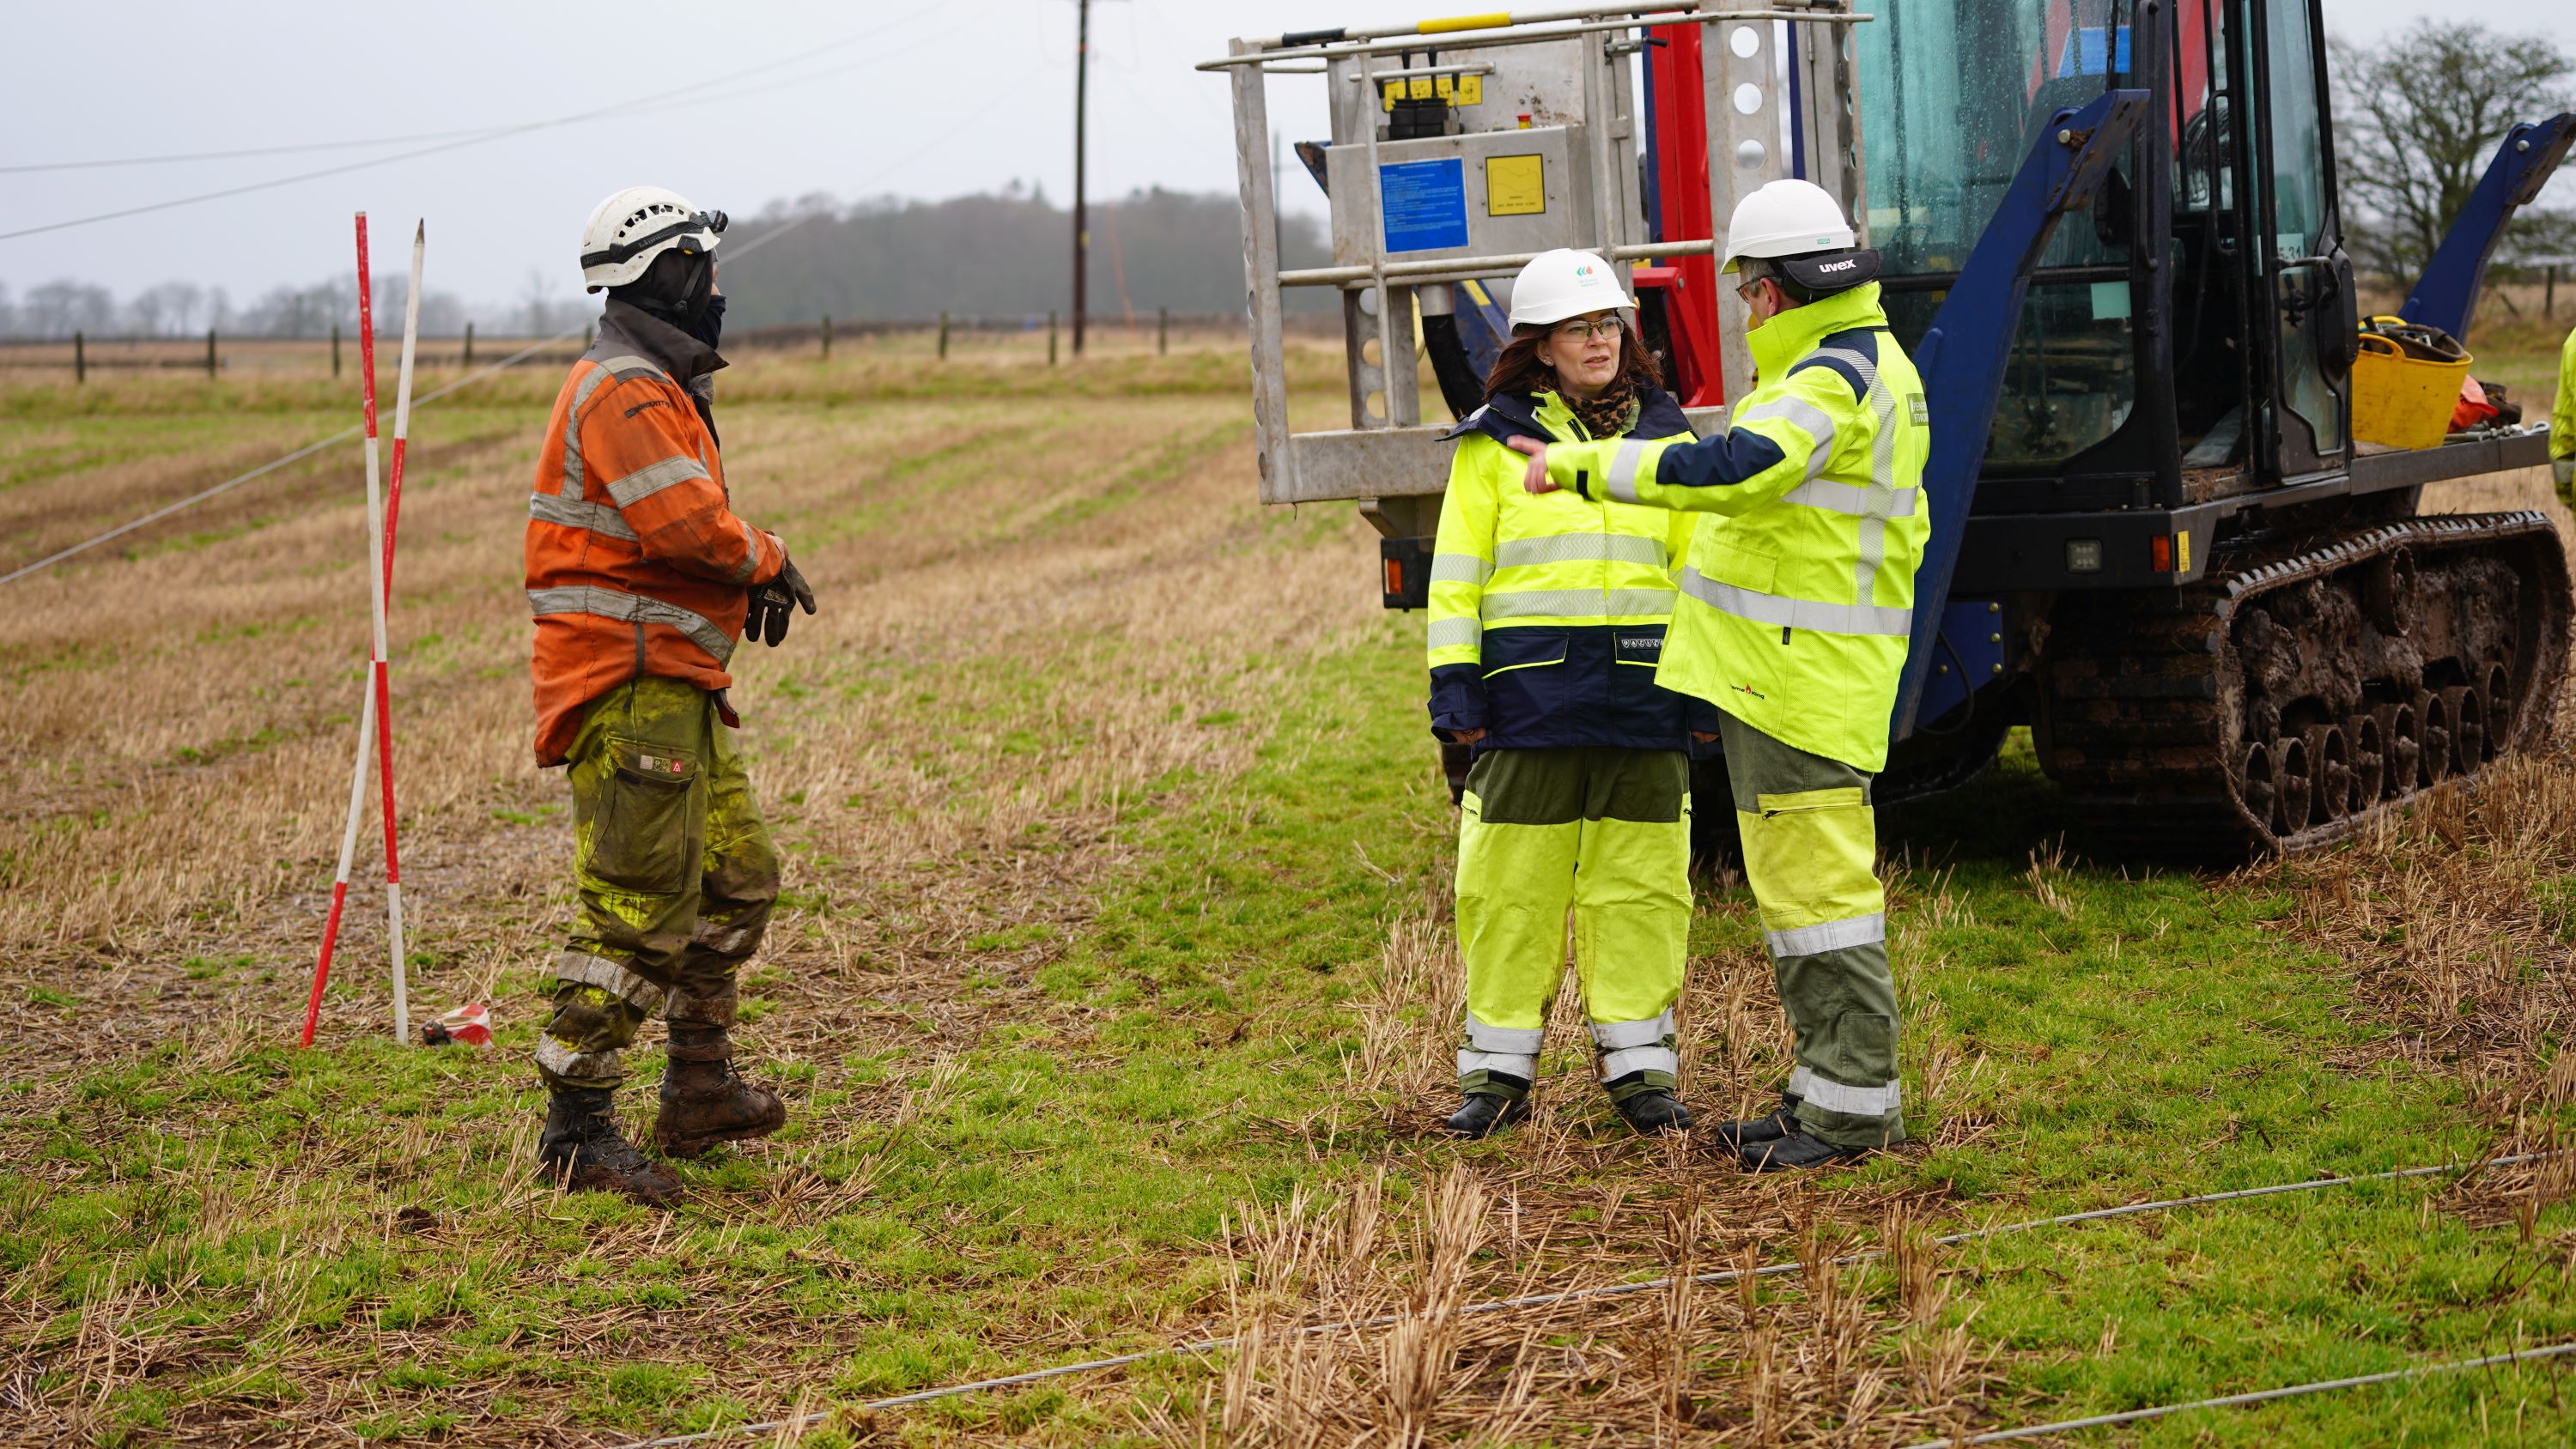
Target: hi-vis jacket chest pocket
column 1746, row 568
column 1639, row 646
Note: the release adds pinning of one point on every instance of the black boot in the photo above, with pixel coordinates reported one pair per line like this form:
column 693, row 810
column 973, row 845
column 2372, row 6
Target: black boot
column 1771, row 1126
column 1485, row 1113
column 1648, row 1109
column 583, row 1150
column 1796, row 1150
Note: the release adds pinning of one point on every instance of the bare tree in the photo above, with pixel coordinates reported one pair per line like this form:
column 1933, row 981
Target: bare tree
column 537, row 303
column 2417, row 118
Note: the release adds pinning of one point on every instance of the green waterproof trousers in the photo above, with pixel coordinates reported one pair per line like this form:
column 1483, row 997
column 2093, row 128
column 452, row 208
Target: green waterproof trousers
column 1810, row 854
column 1606, row 833
column 676, row 872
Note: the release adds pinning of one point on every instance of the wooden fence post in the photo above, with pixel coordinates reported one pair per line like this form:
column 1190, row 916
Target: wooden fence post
column 943, row 336
column 469, row 344
column 335, row 349
column 80, row 358
column 1162, row 331
column 827, row 337
column 210, row 352
column 589, row 336
column 2549, row 295
column 1050, row 337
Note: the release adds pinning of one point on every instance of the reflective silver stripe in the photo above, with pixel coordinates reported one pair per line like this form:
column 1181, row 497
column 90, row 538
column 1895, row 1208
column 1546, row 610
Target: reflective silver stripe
column 750, row 552
column 1867, row 930
column 1578, row 603
column 1835, row 1097
column 609, row 975
column 1509, row 1064
column 1623, row 470
column 1855, row 499
column 1803, row 415
column 1509, row 1040
column 1611, row 1035
column 1459, row 568
column 578, row 513
column 1882, row 474
column 572, row 486
column 1782, row 613
column 1454, row 633
column 1615, row 1065
column 652, row 478
column 632, row 608
column 626, row 365
column 1521, row 553
column 598, row 1068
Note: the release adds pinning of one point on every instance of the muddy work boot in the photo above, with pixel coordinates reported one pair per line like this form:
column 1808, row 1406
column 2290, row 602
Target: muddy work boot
column 583, row 1150
column 703, row 1102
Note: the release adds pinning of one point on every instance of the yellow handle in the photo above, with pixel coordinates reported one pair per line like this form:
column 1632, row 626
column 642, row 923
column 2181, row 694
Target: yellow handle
column 1487, row 21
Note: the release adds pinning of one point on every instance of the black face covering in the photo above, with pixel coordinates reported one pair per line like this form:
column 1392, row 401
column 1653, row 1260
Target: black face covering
column 708, row 325
column 679, row 289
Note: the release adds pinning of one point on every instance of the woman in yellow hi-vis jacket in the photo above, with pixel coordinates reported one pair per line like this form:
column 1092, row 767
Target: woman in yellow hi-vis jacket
column 1547, row 622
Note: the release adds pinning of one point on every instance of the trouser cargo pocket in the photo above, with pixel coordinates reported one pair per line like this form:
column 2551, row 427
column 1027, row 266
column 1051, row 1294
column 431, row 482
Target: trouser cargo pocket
column 646, row 826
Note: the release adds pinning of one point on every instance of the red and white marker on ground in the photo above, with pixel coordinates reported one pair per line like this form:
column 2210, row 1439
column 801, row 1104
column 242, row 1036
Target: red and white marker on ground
column 375, row 714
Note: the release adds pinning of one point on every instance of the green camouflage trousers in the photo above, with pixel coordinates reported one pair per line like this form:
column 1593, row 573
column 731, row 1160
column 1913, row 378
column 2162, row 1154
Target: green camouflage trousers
column 1810, row 855
column 676, row 872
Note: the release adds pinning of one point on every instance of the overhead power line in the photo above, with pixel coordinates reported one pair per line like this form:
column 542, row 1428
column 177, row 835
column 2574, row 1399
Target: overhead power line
column 179, row 156
column 477, row 138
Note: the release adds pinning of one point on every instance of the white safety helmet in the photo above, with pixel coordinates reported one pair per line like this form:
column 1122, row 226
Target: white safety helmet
column 632, row 227
column 1786, row 219
column 1564, row 283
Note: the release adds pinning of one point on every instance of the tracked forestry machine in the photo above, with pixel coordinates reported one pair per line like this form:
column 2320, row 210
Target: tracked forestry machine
column 2112, row 243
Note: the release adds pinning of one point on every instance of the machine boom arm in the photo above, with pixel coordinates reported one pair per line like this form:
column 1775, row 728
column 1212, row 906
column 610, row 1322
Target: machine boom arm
column 2446, row 296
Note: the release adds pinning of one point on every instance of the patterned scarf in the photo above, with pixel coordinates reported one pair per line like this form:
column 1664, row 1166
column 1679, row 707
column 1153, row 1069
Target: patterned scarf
column 1611, row 415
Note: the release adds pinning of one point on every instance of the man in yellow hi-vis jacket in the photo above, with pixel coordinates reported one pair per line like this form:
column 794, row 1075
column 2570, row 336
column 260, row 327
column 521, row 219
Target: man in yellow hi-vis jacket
column 1792, row 617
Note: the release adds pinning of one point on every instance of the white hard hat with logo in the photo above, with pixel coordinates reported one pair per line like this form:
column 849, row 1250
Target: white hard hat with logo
column 1786, row 219
column 632, row 227
column 1564, row 283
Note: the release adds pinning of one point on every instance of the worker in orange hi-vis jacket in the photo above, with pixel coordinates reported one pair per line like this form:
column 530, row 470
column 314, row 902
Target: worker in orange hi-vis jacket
column 642, row 579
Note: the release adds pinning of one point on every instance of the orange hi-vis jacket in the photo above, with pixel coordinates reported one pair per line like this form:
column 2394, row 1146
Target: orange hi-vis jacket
column 637, row 565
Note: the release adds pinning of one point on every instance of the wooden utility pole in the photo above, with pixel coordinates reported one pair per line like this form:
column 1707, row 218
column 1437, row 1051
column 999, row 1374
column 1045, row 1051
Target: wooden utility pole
column 1081, row 218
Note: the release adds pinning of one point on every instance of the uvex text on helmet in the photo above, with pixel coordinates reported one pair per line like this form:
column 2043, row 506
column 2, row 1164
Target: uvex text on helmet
column 633, row 226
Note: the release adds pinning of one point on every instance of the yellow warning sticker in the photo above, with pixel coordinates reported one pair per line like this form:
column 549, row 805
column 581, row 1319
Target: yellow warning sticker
column 1442, row 87
column 1471, row 90
column 1515, row 185
column 1422, row 88
column 2182, row 551
column 1394, row 93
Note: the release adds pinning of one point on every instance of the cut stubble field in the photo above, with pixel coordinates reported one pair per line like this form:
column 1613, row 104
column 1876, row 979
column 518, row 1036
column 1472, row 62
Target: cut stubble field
column 1114, row 998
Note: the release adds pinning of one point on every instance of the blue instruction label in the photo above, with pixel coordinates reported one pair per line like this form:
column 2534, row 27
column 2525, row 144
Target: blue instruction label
column 1425, row 204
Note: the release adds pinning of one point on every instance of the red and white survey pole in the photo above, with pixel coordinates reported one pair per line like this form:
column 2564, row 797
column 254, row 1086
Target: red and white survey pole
column 375, row 713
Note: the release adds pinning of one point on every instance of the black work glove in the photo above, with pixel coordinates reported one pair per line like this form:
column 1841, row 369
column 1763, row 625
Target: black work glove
column 773, row 603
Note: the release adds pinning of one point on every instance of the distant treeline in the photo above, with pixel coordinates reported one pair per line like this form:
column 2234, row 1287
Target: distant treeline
column 996, row 255
column 990, row 256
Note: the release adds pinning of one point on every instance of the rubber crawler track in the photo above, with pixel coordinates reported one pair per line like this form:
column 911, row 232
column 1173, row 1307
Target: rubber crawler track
column 2142, row 719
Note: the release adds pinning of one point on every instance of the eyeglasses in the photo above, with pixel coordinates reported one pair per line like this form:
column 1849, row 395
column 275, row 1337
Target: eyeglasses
column 1580, row 331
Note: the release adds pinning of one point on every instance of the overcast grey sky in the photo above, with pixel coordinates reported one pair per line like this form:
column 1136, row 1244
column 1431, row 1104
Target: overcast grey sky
column 942, row 100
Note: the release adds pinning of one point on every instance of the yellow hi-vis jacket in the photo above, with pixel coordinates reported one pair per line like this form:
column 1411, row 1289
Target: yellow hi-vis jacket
column 1794, row 612
column 2562, row 415
column 1547, row 612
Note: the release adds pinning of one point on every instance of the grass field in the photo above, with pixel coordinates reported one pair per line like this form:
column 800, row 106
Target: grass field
column 1113, row 996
